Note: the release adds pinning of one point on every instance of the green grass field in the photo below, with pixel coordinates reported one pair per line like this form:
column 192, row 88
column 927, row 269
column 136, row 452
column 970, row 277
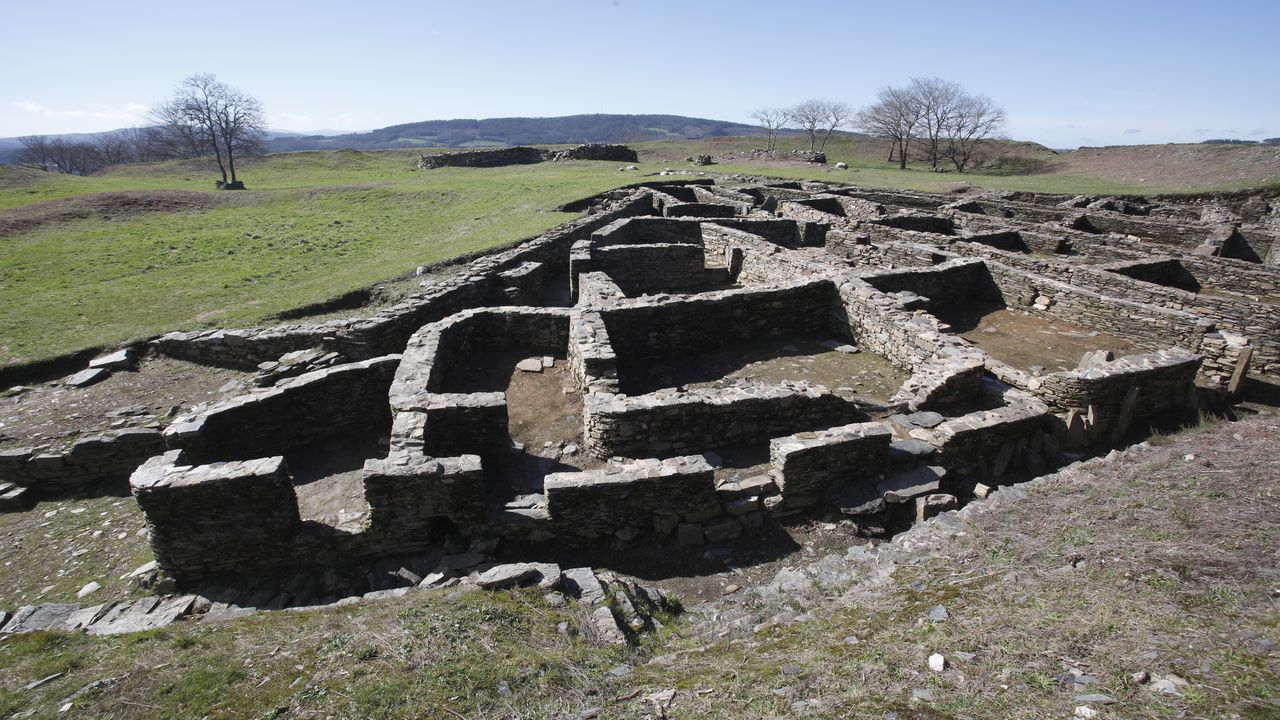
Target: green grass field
column 79, row 269
column 312, row 227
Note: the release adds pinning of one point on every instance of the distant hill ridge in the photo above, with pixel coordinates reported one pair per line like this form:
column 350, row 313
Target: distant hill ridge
column 490, row 132
column 494, row 132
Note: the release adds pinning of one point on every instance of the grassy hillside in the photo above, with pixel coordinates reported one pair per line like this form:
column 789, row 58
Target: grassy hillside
column 78, row 269
column 144, row 249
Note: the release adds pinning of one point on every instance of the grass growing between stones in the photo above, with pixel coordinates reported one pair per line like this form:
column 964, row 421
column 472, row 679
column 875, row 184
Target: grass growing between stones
column 1158, row 563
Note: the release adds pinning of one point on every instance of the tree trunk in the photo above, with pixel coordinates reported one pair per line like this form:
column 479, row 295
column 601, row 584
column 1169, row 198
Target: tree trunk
column 217, row 153
column 231, row 160
column 902, row 155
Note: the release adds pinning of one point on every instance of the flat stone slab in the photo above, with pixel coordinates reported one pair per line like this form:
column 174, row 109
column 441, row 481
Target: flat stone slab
column 913, row 448
column 119, row 360
column 839, row 347
column 746, row 487
column 912, row 483
column 506, row 576
column 144, row 614
column 583, row 585
column 40, row 617
column 530, row 365
column 857, row 498
column 607, row 626
column 85, row 378
column 925, row 419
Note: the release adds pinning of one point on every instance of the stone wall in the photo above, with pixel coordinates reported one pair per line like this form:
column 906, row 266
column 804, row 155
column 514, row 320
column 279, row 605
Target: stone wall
column 638, row 495
column 762, row 261
column 433, row 351
column 878, row 323
column 1145, row 325
column 645, row 329
column 975, row 441
column 336, row 404
column 110, row 456
column 1233, row 276
column 1148, row 313
column 669, row 422
column 407, row 493
column 807, row 464
column 786, row 232
column 640, row 269
column 484, row 158
column 461, row 423
column 741, row 203
column 592, row 361
column 1164, row 381
column 950, row 282
column 232, row 517
column 1174, row 233
column 596, row 151
column 1164, row 271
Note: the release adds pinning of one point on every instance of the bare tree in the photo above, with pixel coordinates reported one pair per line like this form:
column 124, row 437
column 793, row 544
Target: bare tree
column 936, row 99
column 895, row 116
column 975, row 121
column 838, row 115
column 216, row 118
column 35, row 152
column 771, row 119
column 819, row 118
column 810, row 116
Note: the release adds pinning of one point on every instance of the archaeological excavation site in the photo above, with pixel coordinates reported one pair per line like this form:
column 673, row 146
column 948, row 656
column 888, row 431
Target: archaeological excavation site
column 694, row 363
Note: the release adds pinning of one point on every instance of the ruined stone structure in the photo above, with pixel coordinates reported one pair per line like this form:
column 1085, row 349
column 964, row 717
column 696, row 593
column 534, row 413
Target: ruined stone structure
column 656, row 277
column 524, row 155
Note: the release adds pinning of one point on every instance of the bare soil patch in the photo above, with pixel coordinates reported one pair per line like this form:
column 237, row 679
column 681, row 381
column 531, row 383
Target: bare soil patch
column 774, row 360
column 112, row 206
column 1182, row 165
column 53, row 414
column 51, row 551
column 1024, row 340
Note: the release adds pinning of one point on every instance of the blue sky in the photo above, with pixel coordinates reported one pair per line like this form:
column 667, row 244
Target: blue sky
column 1068, row 73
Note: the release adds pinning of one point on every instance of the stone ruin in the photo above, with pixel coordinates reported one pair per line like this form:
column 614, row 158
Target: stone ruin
column 524, row 155
column 629, row 313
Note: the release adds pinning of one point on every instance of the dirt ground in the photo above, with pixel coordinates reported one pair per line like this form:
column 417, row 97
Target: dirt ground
column 53, row 414
column 1024, row 340
column 1187, row 165
column 112, row 206
column 51, row 551
column 774, row 360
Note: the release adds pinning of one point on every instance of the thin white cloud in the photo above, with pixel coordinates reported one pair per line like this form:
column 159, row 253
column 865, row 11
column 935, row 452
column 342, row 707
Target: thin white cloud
column 1132, row 131
column 129, row 112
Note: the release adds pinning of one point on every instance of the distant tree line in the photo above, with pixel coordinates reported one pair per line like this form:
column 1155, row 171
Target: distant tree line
column 204, row 118
column 1236, row 141
column 928, row 119
column 818, row 118
column 83, row 157
column 945, row 122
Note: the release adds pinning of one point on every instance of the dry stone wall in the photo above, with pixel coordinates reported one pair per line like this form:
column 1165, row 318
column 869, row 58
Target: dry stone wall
column 224, row 504
column 340, row 403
